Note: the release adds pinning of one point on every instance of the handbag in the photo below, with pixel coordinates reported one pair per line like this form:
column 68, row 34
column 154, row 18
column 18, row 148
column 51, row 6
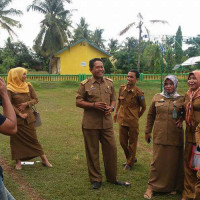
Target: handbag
column 195, row 159
column 38, row 121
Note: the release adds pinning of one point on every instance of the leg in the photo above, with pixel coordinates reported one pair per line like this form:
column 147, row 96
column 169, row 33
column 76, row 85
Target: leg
column 45, row 161
column 4, row 193
column 197, row 187
column 109, row 151
column 132, row 147
column 123, row 139
column 18, row 165
column 91, row 139
column 190, row 178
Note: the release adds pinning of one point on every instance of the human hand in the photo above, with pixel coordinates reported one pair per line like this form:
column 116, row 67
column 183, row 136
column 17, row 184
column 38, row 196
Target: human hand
column 115, row 117
column 148, row 137
column 179, row 122
column 3, row 88
column 197, row 136
column 100, row 106
column 22, row 106
column 108, row 110
column 23, row 115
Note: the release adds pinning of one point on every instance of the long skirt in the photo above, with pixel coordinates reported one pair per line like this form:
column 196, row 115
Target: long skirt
column 24, row 144
column 166, row 171
column 190, row 175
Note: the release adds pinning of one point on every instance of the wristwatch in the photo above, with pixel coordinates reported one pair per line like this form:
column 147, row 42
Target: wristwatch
column 113, row 108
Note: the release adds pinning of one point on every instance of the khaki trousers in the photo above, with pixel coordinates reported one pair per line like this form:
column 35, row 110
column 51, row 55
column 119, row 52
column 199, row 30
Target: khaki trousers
column 128, row 137
column 106, row 137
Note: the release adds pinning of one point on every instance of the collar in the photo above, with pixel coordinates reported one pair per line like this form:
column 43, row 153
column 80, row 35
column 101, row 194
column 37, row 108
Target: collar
column 94, row 80
column 126, row 88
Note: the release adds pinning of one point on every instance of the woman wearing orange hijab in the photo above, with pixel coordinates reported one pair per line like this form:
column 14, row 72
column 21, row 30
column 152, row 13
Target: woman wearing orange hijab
column 192, row 107
column 24, row 145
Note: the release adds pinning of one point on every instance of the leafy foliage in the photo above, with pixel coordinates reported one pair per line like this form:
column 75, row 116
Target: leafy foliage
column 5, row 21
column 54, row 32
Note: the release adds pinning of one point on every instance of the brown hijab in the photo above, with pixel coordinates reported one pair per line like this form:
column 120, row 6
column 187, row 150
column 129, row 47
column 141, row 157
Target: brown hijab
column 192, row 95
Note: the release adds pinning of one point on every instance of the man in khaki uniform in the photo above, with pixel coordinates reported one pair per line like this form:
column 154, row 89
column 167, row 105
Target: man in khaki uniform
column 131, row 105
column 96, row 96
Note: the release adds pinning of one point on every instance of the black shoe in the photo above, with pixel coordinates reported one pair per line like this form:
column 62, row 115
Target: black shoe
column 121, row 183
column 96, row 185
column 134, row 162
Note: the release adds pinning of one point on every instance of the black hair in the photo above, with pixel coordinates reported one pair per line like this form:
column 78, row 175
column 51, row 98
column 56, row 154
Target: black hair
column 92, row 61
column 137, row 74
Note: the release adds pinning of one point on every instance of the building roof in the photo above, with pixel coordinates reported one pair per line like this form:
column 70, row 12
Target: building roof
column 84, row 40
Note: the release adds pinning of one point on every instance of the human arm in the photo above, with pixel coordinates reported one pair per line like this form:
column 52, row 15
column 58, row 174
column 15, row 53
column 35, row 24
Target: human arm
column 116, row 111
column 197, row 136
column 142, row 103
column 150, row 120
column 33, row 100
column 9, row 126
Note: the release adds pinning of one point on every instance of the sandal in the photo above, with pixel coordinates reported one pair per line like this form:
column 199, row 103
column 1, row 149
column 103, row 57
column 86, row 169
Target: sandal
column 147, row 196
column 122, row 183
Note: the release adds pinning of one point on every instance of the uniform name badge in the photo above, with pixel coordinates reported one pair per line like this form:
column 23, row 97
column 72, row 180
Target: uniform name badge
column 174, row 113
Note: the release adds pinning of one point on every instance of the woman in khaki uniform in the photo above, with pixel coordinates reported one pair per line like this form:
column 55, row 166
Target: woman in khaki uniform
column 165, row 115
column 192, row 107
column 24, row 145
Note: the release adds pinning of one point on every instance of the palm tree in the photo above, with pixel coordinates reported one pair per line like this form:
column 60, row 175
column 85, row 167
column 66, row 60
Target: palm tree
column 97, row 38
column 82, row 31
column 113, row 45
column 139, row 25
column 54, row 33
column 5, row 21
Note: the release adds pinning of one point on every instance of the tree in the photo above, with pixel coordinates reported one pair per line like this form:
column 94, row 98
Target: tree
column 97, row 38
column 151, row 58
column 178, row 46
column 82, row 31
column 125, row 58
column 140, row 25
column 6, row 22
column 194, row 48
column 17, row 54
column 54, row 33
column 113, row 45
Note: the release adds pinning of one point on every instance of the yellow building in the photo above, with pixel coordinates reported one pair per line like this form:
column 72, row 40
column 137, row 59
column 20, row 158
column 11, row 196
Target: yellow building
column 75, row 60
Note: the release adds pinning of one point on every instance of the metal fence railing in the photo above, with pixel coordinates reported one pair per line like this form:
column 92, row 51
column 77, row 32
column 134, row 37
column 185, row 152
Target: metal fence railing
column 81, row 77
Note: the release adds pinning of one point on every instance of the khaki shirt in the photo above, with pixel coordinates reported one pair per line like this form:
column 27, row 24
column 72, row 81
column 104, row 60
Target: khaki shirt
column 92, row 91
column 18, row 98
column 130, row 103
column 190, row 130
column 165, row 131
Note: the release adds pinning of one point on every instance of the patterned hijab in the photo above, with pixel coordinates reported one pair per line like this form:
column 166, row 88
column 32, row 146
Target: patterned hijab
column 192, row 95
column 175, row 82
column 15, row 83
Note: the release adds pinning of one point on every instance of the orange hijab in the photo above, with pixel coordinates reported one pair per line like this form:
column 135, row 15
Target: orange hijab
column 15, row 83
column 192, row 95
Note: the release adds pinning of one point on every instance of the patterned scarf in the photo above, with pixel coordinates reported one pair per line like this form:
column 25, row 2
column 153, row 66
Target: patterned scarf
column 175, row 81
column 192, row 95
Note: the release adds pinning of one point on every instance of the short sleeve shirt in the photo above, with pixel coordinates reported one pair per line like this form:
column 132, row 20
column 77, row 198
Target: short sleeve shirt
column 92, row 91
column 130, row 103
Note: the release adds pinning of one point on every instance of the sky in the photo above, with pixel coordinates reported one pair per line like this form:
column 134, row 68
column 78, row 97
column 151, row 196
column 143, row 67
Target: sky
column 115, row 15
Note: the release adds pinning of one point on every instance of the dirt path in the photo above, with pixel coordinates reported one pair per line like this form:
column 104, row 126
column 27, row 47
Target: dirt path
column 30, row 192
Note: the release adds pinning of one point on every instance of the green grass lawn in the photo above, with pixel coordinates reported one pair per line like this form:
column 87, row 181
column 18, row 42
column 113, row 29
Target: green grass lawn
column 62, row 140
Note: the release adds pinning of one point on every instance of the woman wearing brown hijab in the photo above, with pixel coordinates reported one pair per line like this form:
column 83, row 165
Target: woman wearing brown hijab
column 24, row 145
column 192, row 107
